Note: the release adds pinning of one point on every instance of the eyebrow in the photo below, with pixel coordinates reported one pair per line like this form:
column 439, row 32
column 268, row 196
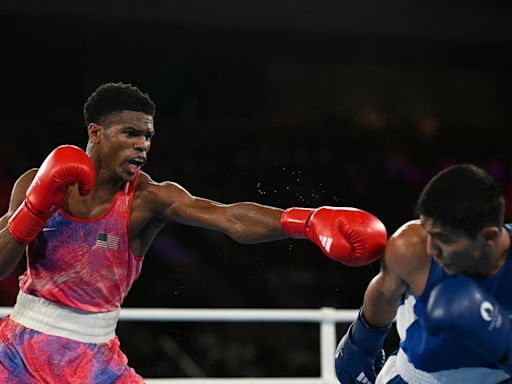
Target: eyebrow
column 150, row 132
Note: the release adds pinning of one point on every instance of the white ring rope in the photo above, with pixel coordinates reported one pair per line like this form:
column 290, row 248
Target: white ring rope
column 238, row 315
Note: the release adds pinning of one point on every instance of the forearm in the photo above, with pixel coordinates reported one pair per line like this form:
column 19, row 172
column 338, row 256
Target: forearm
column 381, row 301
column 254, row 223
column 11, row 252
column 360, row 349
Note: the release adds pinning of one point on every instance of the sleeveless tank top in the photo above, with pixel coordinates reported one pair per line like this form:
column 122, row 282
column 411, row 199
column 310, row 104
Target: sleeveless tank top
column 444, row 352
column 85, row 264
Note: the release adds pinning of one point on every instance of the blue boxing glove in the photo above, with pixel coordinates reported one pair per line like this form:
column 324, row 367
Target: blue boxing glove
column 459, row 306
column 359, row 355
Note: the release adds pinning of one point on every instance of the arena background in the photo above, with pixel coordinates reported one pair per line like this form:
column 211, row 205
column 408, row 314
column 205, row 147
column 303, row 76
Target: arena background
column 286, row 103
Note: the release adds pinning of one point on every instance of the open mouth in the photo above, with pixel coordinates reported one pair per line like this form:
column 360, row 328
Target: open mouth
column 136, row 163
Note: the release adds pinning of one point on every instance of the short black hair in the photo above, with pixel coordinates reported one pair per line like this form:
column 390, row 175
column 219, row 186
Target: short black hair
column 111, row 98
column 463, row 197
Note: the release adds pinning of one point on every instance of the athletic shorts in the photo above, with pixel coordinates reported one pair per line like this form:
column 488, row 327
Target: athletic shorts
column 31, row 357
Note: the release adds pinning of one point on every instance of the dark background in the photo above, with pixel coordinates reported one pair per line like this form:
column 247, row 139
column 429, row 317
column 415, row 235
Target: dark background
column 285, row 103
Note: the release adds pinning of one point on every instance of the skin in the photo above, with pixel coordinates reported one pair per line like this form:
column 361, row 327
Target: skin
column 120, row 138
column 409, row 252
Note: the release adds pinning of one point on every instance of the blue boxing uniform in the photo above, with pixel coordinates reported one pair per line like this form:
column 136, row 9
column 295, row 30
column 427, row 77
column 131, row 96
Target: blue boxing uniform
column 423, row 358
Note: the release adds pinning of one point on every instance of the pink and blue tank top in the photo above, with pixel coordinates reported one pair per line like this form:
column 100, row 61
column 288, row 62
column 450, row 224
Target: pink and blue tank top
column 85, row 264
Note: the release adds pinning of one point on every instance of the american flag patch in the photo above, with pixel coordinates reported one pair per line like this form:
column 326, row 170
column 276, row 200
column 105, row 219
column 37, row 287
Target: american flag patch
column 105, row 240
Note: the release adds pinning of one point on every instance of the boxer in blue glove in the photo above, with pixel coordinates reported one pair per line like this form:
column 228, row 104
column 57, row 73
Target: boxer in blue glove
column 359, row 354
column 460, row 308
column 447, row 280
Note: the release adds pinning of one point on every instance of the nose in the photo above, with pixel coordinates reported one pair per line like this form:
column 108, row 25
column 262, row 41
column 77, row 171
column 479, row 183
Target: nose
column 142, row 144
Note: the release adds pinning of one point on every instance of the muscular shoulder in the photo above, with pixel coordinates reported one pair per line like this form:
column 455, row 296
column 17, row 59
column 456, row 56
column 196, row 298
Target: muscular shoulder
column 406, row 253
column 158, row 195
column 409, row 239
column 149, row 186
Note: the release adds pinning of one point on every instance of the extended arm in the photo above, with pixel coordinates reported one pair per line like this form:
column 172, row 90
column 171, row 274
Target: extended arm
column 347, row 235
column 244, row 222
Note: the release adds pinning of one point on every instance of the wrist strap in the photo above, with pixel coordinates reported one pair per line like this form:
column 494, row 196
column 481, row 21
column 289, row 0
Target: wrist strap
column 368, row 338
column 294, row 222
column 24, row 225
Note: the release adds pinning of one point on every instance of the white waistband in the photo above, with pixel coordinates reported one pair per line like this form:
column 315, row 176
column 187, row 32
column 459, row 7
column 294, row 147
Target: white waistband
column 46, row 317
column 411, row 374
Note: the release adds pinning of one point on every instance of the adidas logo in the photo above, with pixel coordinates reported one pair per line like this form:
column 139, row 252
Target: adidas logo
column 326, row 242
column 363, row 379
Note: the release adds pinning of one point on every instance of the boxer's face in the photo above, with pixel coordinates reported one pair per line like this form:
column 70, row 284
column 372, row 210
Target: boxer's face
column 455, row 251
column 124, row 140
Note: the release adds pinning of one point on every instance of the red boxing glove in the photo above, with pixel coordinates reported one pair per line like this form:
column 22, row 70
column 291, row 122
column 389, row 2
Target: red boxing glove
column 348, row 235
column 65, row 166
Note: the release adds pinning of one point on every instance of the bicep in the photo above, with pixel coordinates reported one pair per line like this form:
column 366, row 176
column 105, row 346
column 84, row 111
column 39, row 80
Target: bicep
column 399, row 266
column 245, row 222
column 383, row 296
column 178, row 205
column 405, row 265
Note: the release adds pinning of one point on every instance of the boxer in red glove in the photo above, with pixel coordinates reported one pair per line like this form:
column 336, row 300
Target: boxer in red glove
column 86, row 220
column 350, row 236
column 65, row 166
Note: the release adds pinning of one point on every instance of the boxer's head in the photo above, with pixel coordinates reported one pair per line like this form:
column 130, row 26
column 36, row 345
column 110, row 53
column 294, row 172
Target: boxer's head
column 462, row 209
column 119, row 119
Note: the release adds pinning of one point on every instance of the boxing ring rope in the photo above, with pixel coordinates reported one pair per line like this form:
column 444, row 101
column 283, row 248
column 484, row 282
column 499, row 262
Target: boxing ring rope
column 326, row 317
